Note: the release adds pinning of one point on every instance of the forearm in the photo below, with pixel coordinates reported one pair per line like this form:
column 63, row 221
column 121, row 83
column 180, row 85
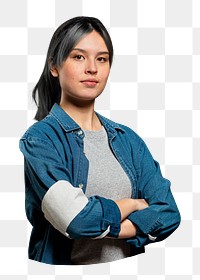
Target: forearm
column 128, row 230
column 126, row 207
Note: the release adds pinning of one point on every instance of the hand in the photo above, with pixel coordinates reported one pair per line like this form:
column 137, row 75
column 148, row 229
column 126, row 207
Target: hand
column 129, row 205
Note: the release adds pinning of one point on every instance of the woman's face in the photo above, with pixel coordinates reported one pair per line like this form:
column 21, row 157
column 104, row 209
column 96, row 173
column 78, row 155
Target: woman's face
column 84, row 73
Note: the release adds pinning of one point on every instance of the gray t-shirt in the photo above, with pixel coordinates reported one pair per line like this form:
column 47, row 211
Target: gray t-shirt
column 106, row 178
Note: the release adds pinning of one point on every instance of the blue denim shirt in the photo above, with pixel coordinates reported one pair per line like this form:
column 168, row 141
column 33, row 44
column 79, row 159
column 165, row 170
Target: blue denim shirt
column 53, row 152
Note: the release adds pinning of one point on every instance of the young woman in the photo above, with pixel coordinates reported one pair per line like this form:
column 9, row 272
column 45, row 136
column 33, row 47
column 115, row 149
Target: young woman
column 93, row 191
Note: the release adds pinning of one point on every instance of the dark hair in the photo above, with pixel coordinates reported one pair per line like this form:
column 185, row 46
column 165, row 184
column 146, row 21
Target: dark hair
column 47, row 90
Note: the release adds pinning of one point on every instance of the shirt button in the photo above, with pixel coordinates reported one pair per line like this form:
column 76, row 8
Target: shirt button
column 80, row 186
column 80, row 132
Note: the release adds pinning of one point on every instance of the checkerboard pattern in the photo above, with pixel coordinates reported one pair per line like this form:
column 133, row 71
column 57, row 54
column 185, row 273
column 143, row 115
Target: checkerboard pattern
column 154, row 88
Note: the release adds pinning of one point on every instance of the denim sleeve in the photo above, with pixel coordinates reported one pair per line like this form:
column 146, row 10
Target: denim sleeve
column 44, row 169
column 98, row 209
column 162, row 217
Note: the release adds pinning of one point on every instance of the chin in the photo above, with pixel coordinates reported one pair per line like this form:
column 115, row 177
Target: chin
column 89, row 97
column 83, row 100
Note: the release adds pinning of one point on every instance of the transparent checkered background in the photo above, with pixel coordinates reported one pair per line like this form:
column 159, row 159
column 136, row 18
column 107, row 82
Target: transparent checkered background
column 154, row 88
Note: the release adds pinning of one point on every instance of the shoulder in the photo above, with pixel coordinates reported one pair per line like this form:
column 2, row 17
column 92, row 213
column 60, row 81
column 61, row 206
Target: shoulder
column 131, row 140
column 125, row 136
column 40, row 129
column 122, row 129
column 130, row 132
column 136, row 146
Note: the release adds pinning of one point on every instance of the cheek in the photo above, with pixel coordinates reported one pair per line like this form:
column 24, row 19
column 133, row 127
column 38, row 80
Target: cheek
column 67, row 75
column 105, row 74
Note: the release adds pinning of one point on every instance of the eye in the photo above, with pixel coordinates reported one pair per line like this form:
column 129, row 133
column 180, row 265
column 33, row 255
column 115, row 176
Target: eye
column 102, row 59
column 78, row 57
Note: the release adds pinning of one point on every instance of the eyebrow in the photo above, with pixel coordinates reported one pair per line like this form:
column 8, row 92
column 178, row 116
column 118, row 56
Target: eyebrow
column 84, row 51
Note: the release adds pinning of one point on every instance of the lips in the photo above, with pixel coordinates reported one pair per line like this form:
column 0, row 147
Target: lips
column 90, row 82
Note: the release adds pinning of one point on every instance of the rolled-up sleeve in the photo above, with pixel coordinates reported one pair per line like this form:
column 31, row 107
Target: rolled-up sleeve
column 102, row 215
column 66, row 207
column 162, row 217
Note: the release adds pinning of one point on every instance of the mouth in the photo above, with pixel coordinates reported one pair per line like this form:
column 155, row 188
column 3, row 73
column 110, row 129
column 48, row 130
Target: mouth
column 90, row 82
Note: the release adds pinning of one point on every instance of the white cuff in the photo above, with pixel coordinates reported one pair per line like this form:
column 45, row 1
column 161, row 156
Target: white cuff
column 62, row 203
column 152, row 238
column 103, row 234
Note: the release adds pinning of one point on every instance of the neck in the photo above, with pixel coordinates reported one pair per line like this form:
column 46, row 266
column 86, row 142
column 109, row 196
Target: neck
column 83, row 114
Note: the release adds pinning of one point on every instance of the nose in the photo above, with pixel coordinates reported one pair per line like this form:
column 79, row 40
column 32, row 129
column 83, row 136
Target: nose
column 91, row 67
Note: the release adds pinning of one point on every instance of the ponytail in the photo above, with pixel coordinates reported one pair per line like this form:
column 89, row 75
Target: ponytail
column 46, row 92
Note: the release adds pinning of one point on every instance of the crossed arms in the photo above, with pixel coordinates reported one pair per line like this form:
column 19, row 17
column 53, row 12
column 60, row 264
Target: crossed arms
column 141, row 221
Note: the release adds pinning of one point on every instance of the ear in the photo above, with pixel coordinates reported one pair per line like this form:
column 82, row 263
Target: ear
column 54, row 71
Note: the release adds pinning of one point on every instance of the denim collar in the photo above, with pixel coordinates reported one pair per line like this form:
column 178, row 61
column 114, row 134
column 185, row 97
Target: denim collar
column 68, row 124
